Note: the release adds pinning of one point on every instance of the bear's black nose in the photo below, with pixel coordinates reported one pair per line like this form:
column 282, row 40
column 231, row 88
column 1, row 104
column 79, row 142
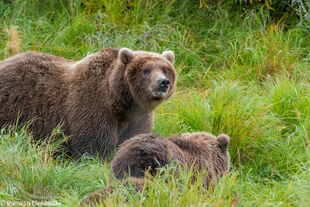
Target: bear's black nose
column 163, row 84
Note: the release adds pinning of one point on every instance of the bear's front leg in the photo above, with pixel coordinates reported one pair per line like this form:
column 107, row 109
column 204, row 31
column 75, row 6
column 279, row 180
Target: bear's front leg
column 94, row 141
column 140, row 125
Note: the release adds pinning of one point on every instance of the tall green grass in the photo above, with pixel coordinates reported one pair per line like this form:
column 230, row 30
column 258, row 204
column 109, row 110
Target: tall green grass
column 241, row 71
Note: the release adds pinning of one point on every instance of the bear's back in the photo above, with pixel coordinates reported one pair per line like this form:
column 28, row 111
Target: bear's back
column 32, row 58
column 33, row 89
column 144, row 152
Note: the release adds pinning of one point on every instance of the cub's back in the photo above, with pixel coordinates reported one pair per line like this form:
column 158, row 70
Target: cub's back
column 144, row 152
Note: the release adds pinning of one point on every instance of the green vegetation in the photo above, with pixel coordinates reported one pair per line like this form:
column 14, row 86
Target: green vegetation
column 243, row 69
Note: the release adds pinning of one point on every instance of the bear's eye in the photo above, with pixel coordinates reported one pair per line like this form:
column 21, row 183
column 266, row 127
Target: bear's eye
column 146, row 71
column 165, row 71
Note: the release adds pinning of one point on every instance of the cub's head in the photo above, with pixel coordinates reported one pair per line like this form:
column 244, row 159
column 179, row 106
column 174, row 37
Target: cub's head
column 212, row 149
column 150, row 76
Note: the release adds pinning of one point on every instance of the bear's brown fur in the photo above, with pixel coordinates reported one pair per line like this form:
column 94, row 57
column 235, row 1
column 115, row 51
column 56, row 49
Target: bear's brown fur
column 147, row 152
column 101, row 100
column 143, row 153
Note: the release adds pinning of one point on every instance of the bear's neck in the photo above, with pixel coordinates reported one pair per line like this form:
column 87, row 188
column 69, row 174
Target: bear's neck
column 119, row 88
column 123, row 100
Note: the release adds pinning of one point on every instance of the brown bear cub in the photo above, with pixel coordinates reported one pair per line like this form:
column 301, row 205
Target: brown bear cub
column 100, row 101
column 146, row 153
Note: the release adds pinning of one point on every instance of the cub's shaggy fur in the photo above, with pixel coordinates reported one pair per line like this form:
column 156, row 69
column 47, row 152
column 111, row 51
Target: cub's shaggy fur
column 148, row 152
column 201, row 152
column 101, row 100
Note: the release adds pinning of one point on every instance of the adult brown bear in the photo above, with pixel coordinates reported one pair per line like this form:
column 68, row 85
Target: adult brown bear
column 101, row 100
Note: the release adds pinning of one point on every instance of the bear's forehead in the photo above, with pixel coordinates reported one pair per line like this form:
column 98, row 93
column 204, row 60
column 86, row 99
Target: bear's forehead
column 200, row 135
column 206, row 139
column 146, row 54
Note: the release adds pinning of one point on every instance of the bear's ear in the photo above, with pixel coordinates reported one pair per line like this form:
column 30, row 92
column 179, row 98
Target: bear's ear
column 223, row 142
column 169, row 55
column 125, row 55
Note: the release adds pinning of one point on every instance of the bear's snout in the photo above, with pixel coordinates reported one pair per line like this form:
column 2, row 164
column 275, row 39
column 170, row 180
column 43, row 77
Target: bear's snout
column 163, row 84
column 161, row 87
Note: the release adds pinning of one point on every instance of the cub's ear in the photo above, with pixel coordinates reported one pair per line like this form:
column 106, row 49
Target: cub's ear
column 223, row 142
column 169, row 55
column 125, row 55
